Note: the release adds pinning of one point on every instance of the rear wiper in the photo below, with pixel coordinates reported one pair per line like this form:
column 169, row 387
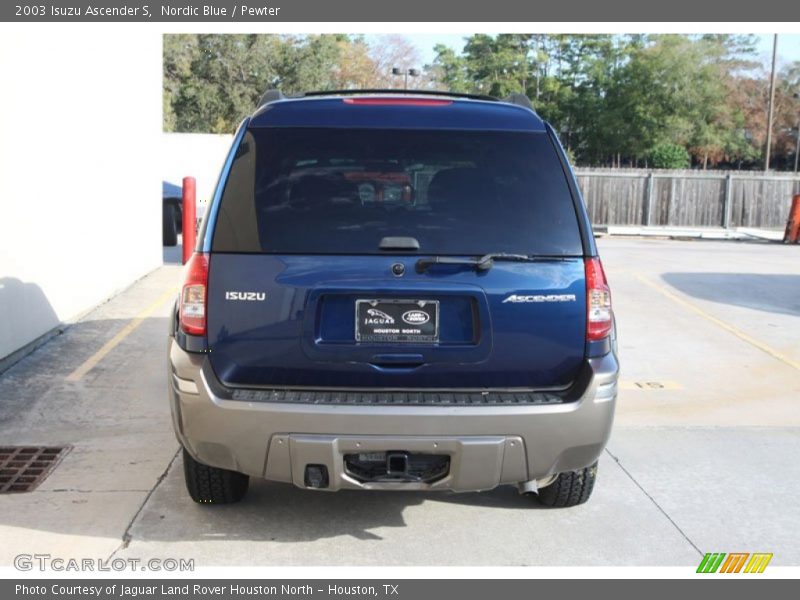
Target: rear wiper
column 483, row 263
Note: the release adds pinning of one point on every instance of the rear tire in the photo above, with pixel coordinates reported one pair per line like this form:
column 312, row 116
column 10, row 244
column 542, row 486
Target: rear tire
column 569, row 489
column 211, row 485
column 170, row 235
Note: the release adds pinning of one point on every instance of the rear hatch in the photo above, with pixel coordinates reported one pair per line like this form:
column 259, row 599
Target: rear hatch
column 346, row 258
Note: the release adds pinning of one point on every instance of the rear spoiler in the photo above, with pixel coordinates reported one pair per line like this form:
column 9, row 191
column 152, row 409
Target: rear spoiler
column 274, row 95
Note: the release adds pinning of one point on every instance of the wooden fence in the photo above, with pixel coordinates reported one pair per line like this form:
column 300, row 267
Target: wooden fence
column 687, row 198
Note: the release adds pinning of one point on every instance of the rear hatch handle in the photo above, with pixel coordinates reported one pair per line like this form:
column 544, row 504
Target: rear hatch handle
column 397, row 361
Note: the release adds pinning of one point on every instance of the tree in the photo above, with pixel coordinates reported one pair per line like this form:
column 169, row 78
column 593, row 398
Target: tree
column 670, row 156
column 613, row 99
column 180, row 52
column 499, row 65
column 228, row 74
column 355, row 67
column 449, row 70
column 310, row 63
column 394, row 51
column 212, row 81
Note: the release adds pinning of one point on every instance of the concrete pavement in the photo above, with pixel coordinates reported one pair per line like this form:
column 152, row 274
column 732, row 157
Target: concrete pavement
column 115, row 417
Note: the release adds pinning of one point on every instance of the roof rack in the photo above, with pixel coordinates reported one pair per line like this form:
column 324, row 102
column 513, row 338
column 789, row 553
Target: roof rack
column 519, row 99
column 270, row 96
column 397, row 91
column 516, row 98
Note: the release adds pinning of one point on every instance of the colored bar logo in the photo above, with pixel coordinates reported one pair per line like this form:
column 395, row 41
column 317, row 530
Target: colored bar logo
column 735, row 562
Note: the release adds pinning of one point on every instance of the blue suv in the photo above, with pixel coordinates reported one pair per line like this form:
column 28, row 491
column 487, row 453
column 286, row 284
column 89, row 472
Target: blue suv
column 394, row 291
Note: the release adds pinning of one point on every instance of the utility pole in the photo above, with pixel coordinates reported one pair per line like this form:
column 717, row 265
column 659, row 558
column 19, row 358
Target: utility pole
column 771, row 102
column 797, row 132
column 797, row 147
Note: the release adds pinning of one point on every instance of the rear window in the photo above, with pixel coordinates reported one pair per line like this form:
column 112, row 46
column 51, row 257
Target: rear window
column 340, row 191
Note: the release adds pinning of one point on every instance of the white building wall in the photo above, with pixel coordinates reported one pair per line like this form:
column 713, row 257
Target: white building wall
column 199, row 155
column 80, row 187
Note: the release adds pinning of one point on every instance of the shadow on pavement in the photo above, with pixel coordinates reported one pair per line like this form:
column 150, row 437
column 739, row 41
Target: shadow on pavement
column 283, row 513
column 765, row 292
column 24, row 308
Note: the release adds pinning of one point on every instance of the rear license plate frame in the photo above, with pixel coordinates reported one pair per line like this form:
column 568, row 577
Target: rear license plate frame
column 402, row 331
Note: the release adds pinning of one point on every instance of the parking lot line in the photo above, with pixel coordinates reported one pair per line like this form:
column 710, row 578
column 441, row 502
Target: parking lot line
column 726, row 326
column 91, row 362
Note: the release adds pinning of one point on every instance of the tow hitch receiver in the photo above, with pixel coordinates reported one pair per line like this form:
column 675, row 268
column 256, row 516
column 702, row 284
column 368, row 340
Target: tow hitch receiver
column 397, row 466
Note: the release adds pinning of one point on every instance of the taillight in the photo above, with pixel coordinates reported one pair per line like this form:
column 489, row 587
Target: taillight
column 194, row 295
column 599, row 317
column 394, row 101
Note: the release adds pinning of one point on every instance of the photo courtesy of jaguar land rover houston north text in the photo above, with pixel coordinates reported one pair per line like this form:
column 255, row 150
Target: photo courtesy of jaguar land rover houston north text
column 394, row 291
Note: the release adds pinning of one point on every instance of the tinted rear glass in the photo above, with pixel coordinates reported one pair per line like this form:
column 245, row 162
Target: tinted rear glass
column 340, row 191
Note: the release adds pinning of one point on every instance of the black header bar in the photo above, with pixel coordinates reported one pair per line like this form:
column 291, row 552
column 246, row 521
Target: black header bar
column 461, row 11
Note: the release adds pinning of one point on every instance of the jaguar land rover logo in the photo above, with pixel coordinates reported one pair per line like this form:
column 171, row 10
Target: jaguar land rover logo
column 377, row 317
column 416, row 317
column 541, row 298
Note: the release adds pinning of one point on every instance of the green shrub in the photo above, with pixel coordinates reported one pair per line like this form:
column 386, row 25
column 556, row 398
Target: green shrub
column 670, row 156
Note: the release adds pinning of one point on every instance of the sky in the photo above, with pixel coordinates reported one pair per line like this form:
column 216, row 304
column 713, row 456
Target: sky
column 788, row 46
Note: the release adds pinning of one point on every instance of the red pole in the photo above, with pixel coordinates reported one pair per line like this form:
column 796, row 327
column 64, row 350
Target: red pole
column 189, row 218
column 792, row 235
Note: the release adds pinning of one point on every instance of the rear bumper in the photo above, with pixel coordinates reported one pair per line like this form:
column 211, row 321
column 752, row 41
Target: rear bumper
column 488, row 445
